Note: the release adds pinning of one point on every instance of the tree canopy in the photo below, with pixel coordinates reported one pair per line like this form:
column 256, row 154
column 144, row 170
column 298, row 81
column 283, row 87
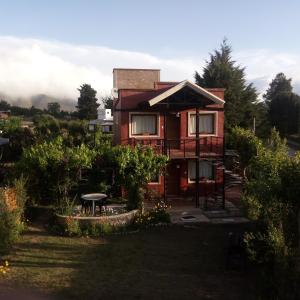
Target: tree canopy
column 53, row 108
column 283, row 105
column 107, row 102
column 280, row 84
column 221, row 71
column 271, row 198
column 87, row 102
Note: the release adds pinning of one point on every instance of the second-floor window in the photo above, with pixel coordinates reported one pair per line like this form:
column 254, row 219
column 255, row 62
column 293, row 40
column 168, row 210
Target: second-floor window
column 143, row 124
column 206, row 123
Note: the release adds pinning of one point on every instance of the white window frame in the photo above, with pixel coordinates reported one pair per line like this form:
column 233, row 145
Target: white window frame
column 215, row 113
column 144, row 136
column 156, row 182
column 208, row 180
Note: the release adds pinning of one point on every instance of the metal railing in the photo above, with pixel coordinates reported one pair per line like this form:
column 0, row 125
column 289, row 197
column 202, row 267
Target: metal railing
column 182, row 148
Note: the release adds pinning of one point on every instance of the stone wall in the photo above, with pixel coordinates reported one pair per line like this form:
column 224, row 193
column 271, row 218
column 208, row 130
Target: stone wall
column 113, row 220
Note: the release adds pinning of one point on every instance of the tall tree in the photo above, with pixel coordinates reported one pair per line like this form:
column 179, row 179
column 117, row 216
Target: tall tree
column 53, row 108
column 284, row 113
column 283, row 105
column 280, row 84
column 221, row 71
column 87, row 102
column 4, row 105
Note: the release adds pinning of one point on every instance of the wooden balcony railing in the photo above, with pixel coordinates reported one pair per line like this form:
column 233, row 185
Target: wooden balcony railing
column 182, row 148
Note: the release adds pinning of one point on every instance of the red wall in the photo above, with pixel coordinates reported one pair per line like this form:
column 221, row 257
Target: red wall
column 188, row 189
column 129, row 99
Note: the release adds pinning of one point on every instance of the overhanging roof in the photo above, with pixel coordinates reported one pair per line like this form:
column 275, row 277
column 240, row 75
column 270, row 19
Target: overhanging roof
column 201, row 91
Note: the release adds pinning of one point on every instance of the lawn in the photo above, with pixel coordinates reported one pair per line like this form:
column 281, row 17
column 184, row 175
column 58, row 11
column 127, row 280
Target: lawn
column 167, row 263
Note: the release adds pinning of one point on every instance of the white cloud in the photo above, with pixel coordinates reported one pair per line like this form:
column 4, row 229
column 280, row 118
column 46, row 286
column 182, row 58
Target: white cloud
column 30, row 66
column 262, row 65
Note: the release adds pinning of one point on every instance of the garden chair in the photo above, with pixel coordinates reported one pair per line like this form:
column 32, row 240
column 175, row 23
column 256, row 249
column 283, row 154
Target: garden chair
column 102, row 204
column 236, row 255
column 85, row 205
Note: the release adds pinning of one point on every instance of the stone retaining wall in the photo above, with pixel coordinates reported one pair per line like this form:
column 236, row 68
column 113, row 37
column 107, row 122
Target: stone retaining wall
column 113, row 220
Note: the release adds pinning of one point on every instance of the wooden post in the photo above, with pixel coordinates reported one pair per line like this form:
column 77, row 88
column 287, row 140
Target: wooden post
column 197, row 158
column 223, row 190
column 223, row 185
column 165, row 152
column 165, row 133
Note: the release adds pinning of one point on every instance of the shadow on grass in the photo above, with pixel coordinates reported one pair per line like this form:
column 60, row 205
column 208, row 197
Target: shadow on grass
column 163, row 263
column 170, row 263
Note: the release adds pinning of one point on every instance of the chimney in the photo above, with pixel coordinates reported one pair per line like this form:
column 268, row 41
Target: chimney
column 135, row 78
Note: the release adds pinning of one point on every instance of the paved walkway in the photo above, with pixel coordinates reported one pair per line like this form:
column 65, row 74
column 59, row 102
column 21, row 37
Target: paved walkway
column 187, row 214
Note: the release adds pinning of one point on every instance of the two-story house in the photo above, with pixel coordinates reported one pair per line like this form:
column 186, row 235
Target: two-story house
column 181, row 120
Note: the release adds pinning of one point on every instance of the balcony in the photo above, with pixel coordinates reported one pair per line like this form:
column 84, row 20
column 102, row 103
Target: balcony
column 210, row 146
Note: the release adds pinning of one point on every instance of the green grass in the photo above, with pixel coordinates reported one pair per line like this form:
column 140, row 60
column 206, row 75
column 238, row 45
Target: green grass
column 167, row 263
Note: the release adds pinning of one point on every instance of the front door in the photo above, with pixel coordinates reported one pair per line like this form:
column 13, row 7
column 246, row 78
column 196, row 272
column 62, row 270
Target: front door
column 173, row 131
column 173, row 179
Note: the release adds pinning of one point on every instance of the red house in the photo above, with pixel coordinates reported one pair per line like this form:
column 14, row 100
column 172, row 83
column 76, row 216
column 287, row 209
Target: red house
column 181, row 120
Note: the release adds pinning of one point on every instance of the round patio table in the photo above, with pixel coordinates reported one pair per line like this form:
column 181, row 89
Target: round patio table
column 94, row 198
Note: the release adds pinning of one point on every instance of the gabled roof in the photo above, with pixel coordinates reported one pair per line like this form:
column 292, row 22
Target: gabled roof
column 181, row 85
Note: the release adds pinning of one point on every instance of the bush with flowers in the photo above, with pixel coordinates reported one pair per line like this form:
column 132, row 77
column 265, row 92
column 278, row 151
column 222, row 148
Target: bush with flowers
column 4, row 268
column 72, row 227
column 12, row 201
column 157, row 215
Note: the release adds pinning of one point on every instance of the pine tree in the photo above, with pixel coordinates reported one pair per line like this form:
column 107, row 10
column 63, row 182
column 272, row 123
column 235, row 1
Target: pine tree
column 280, row 84
column 283, row 105
column 221, row 71
column 87, row 102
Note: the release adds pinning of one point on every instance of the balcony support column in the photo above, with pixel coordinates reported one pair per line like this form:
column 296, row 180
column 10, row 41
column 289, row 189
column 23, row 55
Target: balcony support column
column 224, row 175
column 197, row 183
column 165, row 153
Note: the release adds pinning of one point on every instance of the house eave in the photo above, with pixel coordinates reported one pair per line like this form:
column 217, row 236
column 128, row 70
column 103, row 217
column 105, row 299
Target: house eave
column 201, row 91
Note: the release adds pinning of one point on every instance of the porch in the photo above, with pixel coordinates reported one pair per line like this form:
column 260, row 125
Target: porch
column 183, row 212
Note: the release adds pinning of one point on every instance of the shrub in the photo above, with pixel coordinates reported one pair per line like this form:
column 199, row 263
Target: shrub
column 12, row 202
column 152, row 217
column 4, row 268
column 271, row 198
column 72, row 227
column 19, row 138
column 53, row 169
column 97, row 230
column 135, row 168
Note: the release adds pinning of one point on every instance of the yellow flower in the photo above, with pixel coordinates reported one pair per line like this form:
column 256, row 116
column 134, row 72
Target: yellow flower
column 6, row 263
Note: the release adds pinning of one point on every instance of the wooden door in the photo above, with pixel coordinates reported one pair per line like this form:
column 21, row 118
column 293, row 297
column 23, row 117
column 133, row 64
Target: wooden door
column 173, row 179
column 173, row 131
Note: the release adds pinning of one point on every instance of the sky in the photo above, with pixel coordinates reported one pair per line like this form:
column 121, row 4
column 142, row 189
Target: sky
column 52, row 47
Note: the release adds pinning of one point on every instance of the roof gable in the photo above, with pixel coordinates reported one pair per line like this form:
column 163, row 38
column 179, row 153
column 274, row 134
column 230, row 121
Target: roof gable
column 196, row 88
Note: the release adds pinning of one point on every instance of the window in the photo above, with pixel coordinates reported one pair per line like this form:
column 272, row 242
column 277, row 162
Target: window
column 155, row 179
column 206, row 123
column 144, row 124
column 206, row 170
column 106, row 128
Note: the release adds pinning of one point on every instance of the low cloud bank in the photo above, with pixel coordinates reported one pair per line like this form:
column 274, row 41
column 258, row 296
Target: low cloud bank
column 30, row 67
